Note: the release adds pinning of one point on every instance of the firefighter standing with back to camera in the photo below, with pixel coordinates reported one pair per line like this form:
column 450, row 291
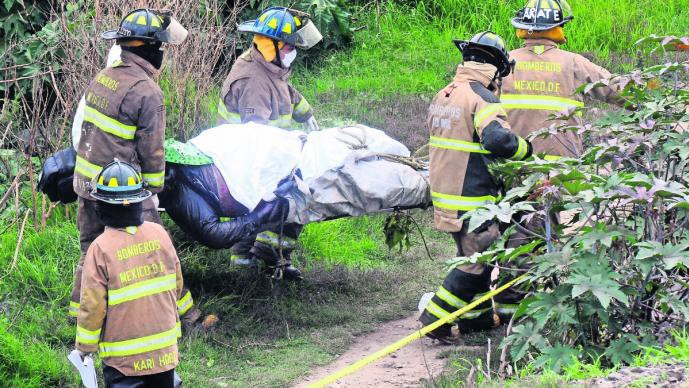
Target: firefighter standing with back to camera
column 546, row 77
column 131, row 284
column 257, row 90
column 124, row 118
column 469, row 130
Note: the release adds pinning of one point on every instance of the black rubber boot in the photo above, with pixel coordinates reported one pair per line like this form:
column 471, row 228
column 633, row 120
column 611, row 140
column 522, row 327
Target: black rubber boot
column 459, row 289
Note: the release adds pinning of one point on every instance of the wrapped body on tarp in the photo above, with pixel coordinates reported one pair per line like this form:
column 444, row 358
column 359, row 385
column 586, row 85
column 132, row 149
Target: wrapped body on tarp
column 234, row 181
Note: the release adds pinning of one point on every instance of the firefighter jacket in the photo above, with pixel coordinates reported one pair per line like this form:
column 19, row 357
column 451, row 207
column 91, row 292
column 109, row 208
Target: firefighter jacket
column 543, row 83
column 124, row 118
column 131, row 284
column 469, row 130
column 259, row 91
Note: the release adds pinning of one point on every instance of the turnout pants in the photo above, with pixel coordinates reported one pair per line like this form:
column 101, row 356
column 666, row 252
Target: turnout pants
column 90, row 227
column 266, row 246
column 115, row 379
column 464, row 284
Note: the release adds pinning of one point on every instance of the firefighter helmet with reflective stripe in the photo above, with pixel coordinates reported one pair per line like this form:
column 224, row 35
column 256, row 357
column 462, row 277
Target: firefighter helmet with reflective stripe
column 487, row 47
column 286, row 25
column 119, row 183
column 150, row 26
column 541, row 15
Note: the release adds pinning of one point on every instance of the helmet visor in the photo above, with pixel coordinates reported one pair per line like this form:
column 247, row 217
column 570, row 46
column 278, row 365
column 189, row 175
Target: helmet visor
column 306, row 37
column 175, row 33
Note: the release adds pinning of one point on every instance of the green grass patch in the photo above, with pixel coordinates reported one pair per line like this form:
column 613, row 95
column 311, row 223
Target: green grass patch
column 352, row 242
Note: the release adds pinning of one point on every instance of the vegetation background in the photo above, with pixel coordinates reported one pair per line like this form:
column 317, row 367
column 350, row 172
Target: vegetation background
column 383, row 75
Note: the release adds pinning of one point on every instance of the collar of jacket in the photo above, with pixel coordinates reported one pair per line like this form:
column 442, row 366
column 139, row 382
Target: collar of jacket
column 134, row 59
column 271, row 67
column 475, row 72
column 549, row 44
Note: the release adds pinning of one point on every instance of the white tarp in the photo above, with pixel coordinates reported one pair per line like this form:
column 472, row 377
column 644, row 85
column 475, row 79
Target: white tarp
column 254, row 158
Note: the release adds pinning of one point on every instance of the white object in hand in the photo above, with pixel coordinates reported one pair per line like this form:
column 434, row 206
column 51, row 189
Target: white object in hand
column 425, row 300
column 85, row 367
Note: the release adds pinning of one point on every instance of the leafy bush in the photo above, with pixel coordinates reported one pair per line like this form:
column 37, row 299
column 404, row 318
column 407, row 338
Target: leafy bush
column 611, row 278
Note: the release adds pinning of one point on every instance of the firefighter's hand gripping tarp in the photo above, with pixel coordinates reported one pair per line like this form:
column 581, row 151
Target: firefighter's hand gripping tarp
column 236, row 180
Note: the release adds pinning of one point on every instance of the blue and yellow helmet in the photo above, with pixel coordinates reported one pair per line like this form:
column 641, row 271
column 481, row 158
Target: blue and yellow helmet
column 119, row 183
column 285, row 25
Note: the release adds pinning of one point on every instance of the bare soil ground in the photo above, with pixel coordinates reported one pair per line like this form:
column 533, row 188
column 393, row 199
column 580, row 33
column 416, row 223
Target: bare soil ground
column 404, row 368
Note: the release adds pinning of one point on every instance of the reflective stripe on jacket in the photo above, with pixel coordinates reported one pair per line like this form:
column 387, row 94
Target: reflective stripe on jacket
column 124, row 118
column 468, row 130
column 131, row 294
column 259, row 91
column 543, row 83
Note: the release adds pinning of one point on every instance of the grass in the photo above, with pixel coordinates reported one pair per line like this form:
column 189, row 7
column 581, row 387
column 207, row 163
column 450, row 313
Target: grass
column 271, row 335
column 405, row 54
column 355, row 242
column 268, row 335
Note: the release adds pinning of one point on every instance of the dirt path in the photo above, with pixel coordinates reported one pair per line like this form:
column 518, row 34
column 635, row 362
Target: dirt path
column 403, row 368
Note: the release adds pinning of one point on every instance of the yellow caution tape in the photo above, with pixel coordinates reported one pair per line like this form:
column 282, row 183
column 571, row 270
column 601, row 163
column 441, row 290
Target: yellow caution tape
column 410, row 338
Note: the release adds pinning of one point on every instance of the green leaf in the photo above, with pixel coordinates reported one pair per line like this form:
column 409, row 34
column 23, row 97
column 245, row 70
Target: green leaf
column 557, row 357
column 602, row 287
column 671, row 255
column 523, row 338
column 622, row 350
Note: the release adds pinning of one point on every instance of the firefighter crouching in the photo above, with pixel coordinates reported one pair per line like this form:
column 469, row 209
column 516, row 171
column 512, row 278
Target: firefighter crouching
column 546, row 77
column 468, row 130
column 124, row 118
column 130, row 287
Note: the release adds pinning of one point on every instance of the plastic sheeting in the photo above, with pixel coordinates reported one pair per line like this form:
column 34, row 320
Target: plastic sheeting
column 254, row 158
column 364, row 184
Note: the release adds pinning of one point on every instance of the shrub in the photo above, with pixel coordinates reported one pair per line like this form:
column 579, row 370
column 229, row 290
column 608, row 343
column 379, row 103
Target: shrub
column 607, row 281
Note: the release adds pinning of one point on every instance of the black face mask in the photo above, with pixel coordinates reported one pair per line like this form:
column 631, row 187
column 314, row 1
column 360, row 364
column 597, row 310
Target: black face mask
column 119, row 216
column 150, row 52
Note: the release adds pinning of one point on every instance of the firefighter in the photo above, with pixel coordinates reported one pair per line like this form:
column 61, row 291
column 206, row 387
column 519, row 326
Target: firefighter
column 468, row 130
column 124, row 118
column 545, row 78
column 257, row 89
column 544, row 82
column 131, row 284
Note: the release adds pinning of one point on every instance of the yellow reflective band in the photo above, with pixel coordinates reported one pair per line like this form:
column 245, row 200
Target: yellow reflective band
column 142, row 289
column 155, row 21
column 436, row 310
column 302, row 107
column 273, row 23
column 73, row 309
column 450, row 299
column 87, row 169
column 552, row 158
column 140, row 345
column 131, row 230
column 109, row 125
column 485, row 113
column 475, row 313
column 284, row 122
column 230, row 117
column 184, row 304
column 458, row 202
column 155, row 179
column 521, row 150
column 275, row 241
column 457, row 145
column 532, row 102
column 87, row 337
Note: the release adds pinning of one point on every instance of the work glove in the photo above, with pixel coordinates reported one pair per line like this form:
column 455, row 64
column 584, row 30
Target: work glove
column 312, row 125
column 271, row 213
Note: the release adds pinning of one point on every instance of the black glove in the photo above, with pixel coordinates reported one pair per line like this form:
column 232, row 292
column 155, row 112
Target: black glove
column 271, row 213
